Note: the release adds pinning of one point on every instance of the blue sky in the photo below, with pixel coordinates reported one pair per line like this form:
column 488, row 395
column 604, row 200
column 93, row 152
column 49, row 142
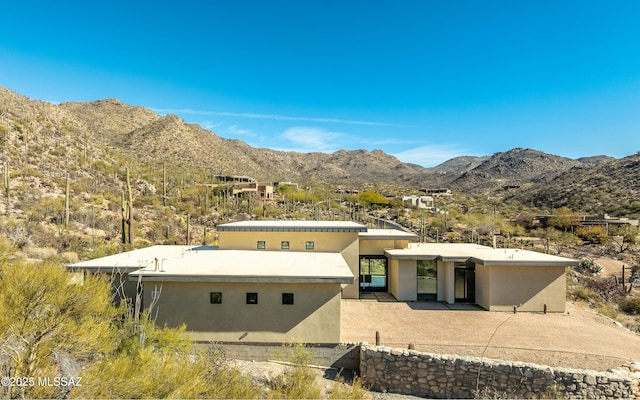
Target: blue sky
column 424, row 80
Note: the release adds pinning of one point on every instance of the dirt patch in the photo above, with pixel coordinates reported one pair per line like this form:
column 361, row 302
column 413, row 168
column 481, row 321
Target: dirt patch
column 611, row 267
column 577, row 338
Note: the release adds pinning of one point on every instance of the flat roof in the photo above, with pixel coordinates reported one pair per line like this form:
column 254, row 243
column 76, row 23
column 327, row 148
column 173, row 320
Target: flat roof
column 387, row 234
column 483, row 255
column 250, row 266
column 131, row 260
column 292, row 226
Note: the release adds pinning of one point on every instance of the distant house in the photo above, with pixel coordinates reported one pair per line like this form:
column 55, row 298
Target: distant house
column 265, row 190
column 420, row 202
column 592, row 220
column 606, row 220
column 437, row 192
column 280, row 281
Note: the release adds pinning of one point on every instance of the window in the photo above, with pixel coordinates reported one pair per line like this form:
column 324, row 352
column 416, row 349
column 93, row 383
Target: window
column 252, row 298
column 215, row 297
column 261, row 245
column 310, row 245
column 284, row 245
column 287, row 298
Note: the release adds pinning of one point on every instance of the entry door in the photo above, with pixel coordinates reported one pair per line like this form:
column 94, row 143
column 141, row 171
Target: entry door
column 465, row 285
column 373, row 274
column 427, row 280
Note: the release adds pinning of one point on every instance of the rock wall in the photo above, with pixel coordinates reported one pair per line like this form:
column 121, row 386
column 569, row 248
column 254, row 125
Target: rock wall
column 448, row 376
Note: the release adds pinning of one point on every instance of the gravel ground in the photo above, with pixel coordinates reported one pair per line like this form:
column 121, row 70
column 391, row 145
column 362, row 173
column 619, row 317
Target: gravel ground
column 577, row 338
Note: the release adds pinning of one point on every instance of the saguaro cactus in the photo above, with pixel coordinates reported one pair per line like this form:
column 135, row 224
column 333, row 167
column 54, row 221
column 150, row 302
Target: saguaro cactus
column 130, row 215
column 164, row 185
column 66, row 204
column 127, row 213
column 188, row 229
column 6, row 180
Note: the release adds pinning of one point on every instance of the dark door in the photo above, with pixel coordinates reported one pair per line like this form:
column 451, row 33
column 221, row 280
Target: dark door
column 465, row 285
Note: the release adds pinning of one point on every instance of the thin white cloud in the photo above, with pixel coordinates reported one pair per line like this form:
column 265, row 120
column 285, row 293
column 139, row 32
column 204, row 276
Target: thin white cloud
column 431, row 155
column 270, row 116
column 235, row 131
column 309, row 139
column 210, row 125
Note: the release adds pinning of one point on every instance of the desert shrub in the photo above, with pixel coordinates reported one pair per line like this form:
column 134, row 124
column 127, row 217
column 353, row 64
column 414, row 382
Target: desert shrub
column 44, row 314
column 607, row 289
column 607, row 310
column 593, row 234
column 585, row 294
column 356, row 389
column 298, row 381
column 589, row 266
column 630, row 305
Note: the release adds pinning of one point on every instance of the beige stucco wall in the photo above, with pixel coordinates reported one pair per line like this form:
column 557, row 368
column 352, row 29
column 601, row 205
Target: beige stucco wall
column 483, row 286
column 446, row 281
column 528, row 288
column 351, row 255
column 313, row 318
column 405, row 280
column 392, row 277
column 323, row 241
column 374, row 247
column 345, row 243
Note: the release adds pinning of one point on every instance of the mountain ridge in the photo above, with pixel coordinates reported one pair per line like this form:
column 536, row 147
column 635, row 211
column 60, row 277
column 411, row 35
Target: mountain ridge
column 136, row 132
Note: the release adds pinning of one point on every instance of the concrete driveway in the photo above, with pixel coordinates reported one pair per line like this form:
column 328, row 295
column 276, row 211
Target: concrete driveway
column 577, row 338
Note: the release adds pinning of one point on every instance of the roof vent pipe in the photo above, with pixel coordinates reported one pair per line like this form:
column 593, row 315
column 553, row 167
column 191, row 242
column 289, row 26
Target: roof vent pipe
column 156, row 260
column 494, row 241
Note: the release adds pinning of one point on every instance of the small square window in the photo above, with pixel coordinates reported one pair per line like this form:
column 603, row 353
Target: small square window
column 252, row 298
column 284, row 245
column 261, row 245
column 215, row 297
column 287, row 298
column 310, row 245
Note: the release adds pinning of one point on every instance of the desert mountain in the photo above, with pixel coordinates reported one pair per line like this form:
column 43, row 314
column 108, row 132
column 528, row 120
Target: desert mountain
column 513, row 168
column 609, row 187
column 141, row 134
column 109, row 129
column 459, row 165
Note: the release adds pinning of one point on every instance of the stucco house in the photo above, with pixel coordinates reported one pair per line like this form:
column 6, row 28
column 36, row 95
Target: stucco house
column 282, row 281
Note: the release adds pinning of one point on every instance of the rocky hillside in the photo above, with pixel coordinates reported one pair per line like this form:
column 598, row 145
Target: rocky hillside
column 515, row 167
column 105, row 130
column 459, row 165
column 140, row 133
column 610, row 187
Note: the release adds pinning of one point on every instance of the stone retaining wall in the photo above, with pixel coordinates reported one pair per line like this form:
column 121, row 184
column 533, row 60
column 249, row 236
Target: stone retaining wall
column 449, row 376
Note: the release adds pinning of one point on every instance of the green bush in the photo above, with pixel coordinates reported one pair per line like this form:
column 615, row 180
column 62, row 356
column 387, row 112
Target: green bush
column 630, row 305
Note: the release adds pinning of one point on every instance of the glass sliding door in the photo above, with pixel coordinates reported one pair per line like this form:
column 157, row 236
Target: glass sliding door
column 373, row 274
column 427, row 280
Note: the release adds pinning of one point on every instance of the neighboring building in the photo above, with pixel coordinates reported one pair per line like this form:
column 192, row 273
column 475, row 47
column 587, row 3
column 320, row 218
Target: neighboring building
column 421, row 202
column 606, row 220
column 265, row 190
column 233, row 178
column 280, row 281
column 437, row 192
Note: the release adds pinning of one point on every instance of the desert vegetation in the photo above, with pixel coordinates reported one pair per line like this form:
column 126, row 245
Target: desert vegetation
column 85, row 180
column 62, row 336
